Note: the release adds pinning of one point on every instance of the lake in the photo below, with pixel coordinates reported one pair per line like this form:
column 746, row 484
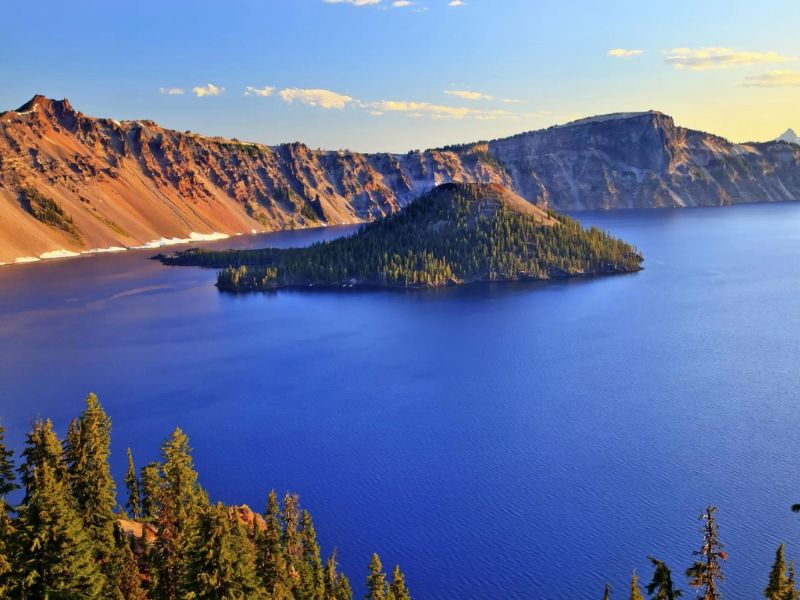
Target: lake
column 498, row 441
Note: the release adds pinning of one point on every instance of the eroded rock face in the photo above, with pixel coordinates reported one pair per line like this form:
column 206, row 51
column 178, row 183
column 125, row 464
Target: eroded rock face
column 643, row 160
column 123, row 184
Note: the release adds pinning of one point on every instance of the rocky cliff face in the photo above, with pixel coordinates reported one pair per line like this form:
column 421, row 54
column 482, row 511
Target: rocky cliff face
column 71, row 183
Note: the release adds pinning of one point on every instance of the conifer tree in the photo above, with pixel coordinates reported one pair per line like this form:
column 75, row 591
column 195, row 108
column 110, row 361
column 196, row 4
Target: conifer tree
column 7, row 475
column 337, row 586
column 792, row 592
column 636, row 591
column 41, row 447
column 376, row 580
column 706, row 572
column 271, row 557
column 179, row 502
column 312, row 586
column 292, row 544
column 6, row 549
column 56, row 557
column 87, row 452
column 221, row 561
column 607, row 592
column 398, row 589
column 150, row 484
column 133, row 504
column 777, row 586
column 661, row 586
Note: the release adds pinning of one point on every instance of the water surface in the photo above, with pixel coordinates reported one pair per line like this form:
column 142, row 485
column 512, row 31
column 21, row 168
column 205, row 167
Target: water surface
column 506, row 441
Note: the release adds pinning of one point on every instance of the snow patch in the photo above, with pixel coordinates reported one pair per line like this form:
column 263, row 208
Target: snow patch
column 193, row 237
column 26, row 259
column 105, row 250
column 60, row 253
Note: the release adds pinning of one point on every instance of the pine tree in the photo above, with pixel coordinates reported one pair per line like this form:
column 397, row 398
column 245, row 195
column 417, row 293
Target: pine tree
column 87, row 452
column 7, row 533
column 376, row 580
column 179, row 503
column 133, row 504
column 150, row 486
column 292, row 544
column 707, row 571
column 337, row 586
column 7, row 475
column 312, row 586
column 607, row 592
column 270, row 554
column 661, row 586
column 41, row 447
column 636, row 591
column 398, row 589
column 56, row 556
column 777, row 585
column 221, row 560
column 792, row 592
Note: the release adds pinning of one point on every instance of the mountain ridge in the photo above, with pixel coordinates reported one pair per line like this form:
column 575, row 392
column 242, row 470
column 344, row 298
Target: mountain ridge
column 120, row 184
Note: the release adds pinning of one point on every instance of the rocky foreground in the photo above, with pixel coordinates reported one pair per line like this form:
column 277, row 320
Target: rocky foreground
column 71, row 183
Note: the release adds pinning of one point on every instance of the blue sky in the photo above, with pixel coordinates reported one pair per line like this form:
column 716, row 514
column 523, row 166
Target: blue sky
column 376, row 76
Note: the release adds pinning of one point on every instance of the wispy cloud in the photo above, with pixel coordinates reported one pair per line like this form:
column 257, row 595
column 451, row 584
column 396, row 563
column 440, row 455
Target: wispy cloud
column 254, row 91
column 774, row 79
column 171, row 91
column 353, row 2
column 456, row 3
column 624, row 52
column 315, row 97
column 468, row 95
column 437, row 111
column 402, row 3
column 701, row 59
column 510, row 101
column 207, row 90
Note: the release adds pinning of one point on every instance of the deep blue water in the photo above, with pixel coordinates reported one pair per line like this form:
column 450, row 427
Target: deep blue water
column 507, row 441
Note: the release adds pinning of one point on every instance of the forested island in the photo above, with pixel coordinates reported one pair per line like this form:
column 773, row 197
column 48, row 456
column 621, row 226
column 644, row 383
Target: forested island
column 456, row 234
column 69, row 539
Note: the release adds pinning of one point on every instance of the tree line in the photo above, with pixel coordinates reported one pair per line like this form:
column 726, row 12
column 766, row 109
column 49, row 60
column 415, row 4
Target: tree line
column 705, row 575
column 69, row 539
column 457, row 233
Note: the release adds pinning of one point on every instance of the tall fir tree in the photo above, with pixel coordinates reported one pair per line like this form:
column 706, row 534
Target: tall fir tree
column 180, row 501
column 661, row 586
column 376, row 580
column 607, row 592
column 398, row 589
column 792, row 592
column 636, row 591
column 150, row 490
column 87, row 453
column 7, row 476
column 221, row 560
column 706, row 573
column 133, row 504
column 777, row 584
column 56, row 556
column 337, row 586
column 270, row 552
column 42, row 446
column 312, row 585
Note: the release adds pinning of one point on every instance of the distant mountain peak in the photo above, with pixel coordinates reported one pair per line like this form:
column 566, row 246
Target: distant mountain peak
column 40, row 102
column 789, row 136
column 615, row 117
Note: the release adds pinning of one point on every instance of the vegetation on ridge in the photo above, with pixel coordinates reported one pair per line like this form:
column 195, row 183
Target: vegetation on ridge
column 458, row 233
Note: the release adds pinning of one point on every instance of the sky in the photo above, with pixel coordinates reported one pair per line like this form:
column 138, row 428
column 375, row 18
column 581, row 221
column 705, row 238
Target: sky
column 395, row 75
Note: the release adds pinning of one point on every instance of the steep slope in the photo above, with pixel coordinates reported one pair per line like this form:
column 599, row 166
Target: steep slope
column 456, row 234
column 643, row 160
column 69, row 182
column 123, row 184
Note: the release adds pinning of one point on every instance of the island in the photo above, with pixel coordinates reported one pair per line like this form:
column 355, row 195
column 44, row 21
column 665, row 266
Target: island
column 454, row 235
